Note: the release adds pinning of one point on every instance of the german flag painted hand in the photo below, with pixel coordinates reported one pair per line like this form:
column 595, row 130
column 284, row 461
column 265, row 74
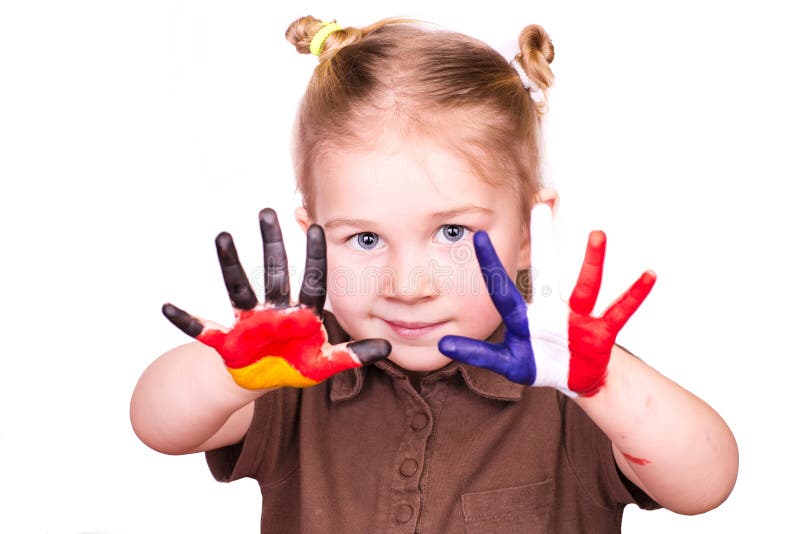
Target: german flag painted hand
column 276, row 344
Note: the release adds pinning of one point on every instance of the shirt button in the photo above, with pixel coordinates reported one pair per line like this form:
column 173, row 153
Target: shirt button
column 408, row 467
column 419, row 421
column 404, row 513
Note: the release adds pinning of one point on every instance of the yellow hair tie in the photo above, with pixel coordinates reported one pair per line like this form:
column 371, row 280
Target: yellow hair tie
column 319, row 38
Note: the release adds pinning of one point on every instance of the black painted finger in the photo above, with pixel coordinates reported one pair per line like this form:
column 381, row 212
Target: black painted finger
column 187, row 323
column 370, row 350
column 241, row 294
column 312, row 292
column 276, row 268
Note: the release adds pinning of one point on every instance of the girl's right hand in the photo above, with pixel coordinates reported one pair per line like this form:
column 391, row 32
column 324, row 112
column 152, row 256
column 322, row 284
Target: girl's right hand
column 276, row 344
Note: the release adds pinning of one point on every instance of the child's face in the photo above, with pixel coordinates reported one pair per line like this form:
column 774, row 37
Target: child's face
column 396, row 255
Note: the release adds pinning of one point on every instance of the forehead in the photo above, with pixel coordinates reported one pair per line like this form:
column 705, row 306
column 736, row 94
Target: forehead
column 401, row 177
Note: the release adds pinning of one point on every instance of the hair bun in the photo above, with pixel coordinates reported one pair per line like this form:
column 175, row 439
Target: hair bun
column 302, row 31
column 536, row 54
column 533, row 39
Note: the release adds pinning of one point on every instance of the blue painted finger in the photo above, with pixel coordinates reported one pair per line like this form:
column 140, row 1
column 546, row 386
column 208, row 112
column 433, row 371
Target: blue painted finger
column 507, row 299
column 475, row 352
column 501, row 359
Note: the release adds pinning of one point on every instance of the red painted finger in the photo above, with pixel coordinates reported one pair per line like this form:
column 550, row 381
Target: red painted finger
column 621, row 309
column 584, row 295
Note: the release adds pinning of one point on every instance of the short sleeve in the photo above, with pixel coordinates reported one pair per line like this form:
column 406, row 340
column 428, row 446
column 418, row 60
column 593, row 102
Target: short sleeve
column 223, row 462
column 591, row 458
column 265, row 451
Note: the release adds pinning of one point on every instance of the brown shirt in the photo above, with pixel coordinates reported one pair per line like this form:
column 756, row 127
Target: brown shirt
column 470, row 453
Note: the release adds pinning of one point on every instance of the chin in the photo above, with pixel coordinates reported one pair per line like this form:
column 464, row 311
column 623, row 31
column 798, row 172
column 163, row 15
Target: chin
column 423, row 361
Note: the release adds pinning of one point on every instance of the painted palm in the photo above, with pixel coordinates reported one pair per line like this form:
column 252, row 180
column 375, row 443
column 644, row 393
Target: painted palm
column 275, row 344
column 550, row 342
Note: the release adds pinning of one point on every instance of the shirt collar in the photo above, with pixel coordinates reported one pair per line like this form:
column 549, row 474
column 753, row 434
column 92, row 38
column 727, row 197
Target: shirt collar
column 348, row 384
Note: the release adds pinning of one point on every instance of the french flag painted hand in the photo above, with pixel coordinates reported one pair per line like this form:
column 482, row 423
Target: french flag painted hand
column 273, row 344
column 550, row 343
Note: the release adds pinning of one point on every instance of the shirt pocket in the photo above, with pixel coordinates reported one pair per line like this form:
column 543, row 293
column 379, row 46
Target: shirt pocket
column 527, row 509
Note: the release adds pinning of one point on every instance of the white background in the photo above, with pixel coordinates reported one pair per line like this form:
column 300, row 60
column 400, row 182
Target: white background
column 132, row 132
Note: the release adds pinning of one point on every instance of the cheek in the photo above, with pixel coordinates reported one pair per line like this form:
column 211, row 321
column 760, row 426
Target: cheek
column 350, row 310
column 477, row 317
column 454, row 272
column 351, row 290
column 350, row 277
column 459, row 282
column 461, row 269
column 342, row 282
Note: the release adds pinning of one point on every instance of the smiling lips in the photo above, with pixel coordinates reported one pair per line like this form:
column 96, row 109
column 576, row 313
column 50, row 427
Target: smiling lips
column 412, row 330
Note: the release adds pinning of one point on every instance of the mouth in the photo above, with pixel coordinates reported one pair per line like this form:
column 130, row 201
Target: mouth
column 412, row 330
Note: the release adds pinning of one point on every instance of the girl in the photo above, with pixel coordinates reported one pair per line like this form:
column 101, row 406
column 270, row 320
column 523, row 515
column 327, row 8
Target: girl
column 416, row 153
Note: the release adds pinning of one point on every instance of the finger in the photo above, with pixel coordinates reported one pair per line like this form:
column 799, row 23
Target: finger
column 370, row 350
column 239, row 290
column 621, row 310
column 276, row 268
column 312, row 292
column 475, row 352
column 584, row 296
column 206, row 332
column 543, row 256
column 497, row 358
column 188, row 324
column 505, row 295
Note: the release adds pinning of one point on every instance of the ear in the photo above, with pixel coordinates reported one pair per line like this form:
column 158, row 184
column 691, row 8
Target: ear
column 302, row 218
column 550, row 197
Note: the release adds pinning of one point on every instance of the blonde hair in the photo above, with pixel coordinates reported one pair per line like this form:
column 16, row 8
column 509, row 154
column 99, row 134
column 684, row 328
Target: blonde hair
column 426, row 81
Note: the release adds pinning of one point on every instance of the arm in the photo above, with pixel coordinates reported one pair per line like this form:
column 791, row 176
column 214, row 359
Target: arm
column 186, row 401
column 191, row 400
column 667, row 441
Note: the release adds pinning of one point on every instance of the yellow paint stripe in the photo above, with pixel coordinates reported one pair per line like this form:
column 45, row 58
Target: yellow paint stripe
column 270, row 372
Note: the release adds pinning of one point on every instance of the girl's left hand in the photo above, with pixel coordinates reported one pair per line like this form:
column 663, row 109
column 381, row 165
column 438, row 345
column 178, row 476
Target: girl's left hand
column 549, row 343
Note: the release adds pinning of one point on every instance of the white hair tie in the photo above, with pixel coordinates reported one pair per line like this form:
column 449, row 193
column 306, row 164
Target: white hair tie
column 535, row 91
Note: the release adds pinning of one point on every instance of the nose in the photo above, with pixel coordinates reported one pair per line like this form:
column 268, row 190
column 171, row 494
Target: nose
column 410, row 277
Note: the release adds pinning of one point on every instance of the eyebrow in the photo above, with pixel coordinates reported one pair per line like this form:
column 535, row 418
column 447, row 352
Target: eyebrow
column 338, row 222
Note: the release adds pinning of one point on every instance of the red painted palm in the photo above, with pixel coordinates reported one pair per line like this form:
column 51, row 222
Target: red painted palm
column 275, row 344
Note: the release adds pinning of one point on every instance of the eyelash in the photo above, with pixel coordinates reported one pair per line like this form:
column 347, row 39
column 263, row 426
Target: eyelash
column 354, row 238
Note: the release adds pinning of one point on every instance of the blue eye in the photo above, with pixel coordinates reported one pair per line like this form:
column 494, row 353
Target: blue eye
column 453, row 232
column 364, row 240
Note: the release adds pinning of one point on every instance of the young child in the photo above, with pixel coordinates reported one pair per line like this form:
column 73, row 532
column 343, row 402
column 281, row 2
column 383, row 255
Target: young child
column 483, row 410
